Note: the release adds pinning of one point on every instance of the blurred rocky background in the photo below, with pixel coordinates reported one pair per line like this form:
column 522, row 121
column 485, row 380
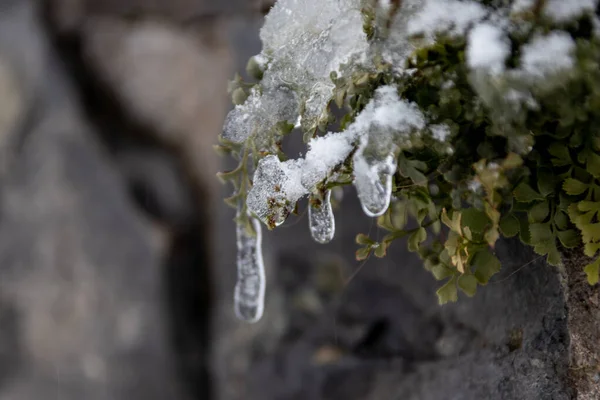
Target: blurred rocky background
column 117, row 256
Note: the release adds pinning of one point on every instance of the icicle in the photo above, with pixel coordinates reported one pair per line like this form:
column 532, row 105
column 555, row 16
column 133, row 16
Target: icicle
column 373, row 182
column 320, row 217
column 250, row 288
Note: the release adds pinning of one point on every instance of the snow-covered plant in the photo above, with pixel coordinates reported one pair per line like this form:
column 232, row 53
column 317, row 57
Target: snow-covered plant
column 480, row 116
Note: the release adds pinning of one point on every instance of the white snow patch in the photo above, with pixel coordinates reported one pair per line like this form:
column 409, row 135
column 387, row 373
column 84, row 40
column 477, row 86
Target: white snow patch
column 440, row 132
column 487, row 48
column 452, row 16
column 548, row 54
column 567, row 10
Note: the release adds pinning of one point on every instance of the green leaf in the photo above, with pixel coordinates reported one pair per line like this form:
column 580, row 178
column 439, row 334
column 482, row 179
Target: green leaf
column 545, row 181
column 590, row 249
column 468, row 284
column 553, row 257
column 544, row 242
column 560, row 153
column 590, row 232
column 441, row 272
column 561, row 220
column 476, row 220
column 410, row 169
column 526, row 193
column 453, row 223
column 448, row 292
column 361, row 238
column 540, row 233
column 539, row 212
column 416, row 238
column 512, row 160
column 588, row 206
column 509, row 225
column 363, row 253
column 380, row 250
column 486, row 265
column 524, row 234
column 569, row 238
column 593, row 164
column 574, row 187
column 592, row 271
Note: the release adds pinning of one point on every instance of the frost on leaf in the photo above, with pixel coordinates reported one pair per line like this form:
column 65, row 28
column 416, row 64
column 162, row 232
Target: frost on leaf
column 259, row 114
column 250, row 287
column 320, row 217
column 276, row 190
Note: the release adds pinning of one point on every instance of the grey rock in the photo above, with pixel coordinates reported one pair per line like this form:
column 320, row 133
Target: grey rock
column 80, row 278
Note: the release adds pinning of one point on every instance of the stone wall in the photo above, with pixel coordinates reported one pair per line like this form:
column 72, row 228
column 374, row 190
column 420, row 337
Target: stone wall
column 117, row 259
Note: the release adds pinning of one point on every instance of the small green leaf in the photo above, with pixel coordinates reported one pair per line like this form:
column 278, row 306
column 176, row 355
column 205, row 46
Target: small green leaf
column 363, row 253
column 560, row 153
column 569, row 238
column 512, row 160
column 539, row 212
column 524, row 229
column 588, row 206
column 545, row 181
column 417, row 238
column 363, row 239
column 476, row 220
column 590, row 249
column 380, row 250
column 590, row 232
column 448, row 292
column 593, row 164
column 440, row 272
column 239, row 96
column 540, row 233
column 574, row 187
column 561, row 220
column 509, row 225
column 526, row 193
column 592, row 271
column 486, row 265
column 232, row 201
column 412, row 169
column 468, row 284
column 553, row 257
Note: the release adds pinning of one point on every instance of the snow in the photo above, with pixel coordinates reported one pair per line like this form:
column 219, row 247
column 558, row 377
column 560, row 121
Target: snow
column 546, row 55
column 259, row 114
column 488, row 48
column 440, row 132
column 567, row 10
column 522, row 5
column 381, row 128
column 451, row 16
column 388, row 111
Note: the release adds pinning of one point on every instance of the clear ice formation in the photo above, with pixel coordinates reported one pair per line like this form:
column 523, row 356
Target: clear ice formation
column 249, row 292
column 373, row 181
column 320, row 217
column 304, row 41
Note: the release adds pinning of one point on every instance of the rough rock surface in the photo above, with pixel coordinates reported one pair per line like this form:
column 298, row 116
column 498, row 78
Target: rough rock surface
column 117, row 272
column 72, row 247
column 331, row 333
